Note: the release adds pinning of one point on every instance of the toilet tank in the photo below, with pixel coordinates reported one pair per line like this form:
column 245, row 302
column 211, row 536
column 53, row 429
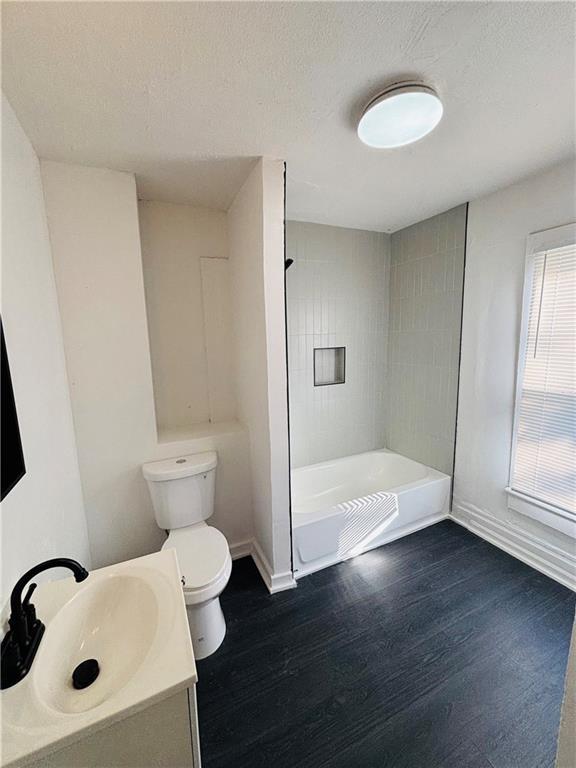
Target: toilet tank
column 182, row 489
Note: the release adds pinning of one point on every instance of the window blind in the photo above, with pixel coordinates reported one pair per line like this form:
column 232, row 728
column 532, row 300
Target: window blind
column 544, row 455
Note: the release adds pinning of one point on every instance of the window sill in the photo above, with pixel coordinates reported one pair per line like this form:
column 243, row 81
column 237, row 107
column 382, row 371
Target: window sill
column 544, row 513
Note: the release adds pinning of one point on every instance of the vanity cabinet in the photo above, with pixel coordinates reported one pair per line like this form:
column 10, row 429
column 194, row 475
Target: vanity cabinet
column 140, row 711
column 164, row 735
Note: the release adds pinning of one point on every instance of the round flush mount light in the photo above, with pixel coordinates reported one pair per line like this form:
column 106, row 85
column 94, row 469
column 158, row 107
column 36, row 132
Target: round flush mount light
column 400, row 115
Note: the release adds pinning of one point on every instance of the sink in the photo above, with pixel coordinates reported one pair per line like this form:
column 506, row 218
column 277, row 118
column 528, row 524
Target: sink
column 132, row 619
column 114, row 621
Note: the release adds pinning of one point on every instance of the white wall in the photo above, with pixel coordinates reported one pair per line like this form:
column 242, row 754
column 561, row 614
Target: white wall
column 427, row 265
column 93, row 221
column 184, row 252
column 43, row 516
column 273, row 212
column 218, row 335
column 498, row 225
column 337, row 293
column 256, row 248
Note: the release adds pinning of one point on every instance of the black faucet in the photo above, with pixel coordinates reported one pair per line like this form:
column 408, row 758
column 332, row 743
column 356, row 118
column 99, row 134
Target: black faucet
column 21, row 642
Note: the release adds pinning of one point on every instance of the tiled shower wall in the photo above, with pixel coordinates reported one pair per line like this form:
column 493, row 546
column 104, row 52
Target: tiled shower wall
column 426, row 276
column 337, row 292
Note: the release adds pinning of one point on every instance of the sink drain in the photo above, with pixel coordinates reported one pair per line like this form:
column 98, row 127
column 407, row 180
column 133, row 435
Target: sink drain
column 85, row 674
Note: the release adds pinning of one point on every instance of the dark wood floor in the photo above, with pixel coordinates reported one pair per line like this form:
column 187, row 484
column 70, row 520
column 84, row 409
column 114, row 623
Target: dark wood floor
column 435, row 650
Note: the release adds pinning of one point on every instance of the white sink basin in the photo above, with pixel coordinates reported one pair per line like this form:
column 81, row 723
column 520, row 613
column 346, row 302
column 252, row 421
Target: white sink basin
column 114, row 621
column 132, row 619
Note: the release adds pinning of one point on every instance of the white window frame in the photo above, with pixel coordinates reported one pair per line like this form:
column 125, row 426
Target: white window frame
column 547, row 514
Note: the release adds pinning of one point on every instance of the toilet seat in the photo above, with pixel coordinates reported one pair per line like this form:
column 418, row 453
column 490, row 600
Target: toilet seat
column 204, row 559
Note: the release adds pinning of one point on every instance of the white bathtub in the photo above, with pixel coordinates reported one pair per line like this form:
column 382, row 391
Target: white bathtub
column 344, row 507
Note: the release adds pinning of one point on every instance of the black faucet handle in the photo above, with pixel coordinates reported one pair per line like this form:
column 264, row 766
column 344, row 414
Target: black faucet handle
column 21, row 621
column 29, row 608
column 28, row 594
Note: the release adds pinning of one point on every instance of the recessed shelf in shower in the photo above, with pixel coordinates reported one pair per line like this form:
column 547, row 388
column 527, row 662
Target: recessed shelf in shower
column 329, row 366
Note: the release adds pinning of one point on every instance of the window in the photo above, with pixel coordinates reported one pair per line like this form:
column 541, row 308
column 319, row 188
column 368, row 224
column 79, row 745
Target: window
column 543, row 466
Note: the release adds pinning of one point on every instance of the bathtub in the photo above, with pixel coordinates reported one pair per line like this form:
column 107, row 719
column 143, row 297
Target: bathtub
column 344, row 507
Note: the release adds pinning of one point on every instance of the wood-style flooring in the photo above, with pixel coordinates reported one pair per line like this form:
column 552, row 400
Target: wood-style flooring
column 434, row 651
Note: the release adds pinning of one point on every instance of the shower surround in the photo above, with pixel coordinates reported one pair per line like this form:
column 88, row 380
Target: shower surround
column 337, row 293
column 426, row 278
column 395, row 304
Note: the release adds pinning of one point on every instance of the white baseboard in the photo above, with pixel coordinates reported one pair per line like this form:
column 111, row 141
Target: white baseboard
column 544, row 557
column 275, row 582
column 241, row 549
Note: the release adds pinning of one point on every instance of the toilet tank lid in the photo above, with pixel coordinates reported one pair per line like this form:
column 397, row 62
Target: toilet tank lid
column 180, row 466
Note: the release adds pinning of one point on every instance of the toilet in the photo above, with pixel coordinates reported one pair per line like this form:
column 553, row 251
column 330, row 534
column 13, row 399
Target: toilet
column 182, row 491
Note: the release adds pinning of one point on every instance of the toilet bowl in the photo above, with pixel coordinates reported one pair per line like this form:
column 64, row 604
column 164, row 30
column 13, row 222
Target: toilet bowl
column 205, row 565
column 182, row 491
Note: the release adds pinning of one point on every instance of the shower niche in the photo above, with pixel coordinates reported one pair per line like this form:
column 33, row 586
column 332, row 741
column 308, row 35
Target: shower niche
column 329, row 366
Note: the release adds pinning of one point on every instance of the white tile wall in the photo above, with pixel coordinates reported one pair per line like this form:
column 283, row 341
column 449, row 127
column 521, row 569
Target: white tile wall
column 337, row 293
column 426, row 272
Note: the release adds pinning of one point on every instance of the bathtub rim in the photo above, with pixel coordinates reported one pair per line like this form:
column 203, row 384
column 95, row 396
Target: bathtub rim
column 300, row 519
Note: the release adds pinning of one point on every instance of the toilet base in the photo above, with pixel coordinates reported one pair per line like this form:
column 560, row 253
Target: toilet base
column 207, row 627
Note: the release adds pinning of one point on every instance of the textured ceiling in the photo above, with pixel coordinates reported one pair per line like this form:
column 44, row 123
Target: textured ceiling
column 187, row 94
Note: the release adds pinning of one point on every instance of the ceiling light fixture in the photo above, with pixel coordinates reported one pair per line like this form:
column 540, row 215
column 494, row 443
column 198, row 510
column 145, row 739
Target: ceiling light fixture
column 403, row 113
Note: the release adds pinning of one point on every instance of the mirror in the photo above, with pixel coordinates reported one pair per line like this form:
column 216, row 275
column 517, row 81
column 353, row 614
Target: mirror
column 13, row 468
